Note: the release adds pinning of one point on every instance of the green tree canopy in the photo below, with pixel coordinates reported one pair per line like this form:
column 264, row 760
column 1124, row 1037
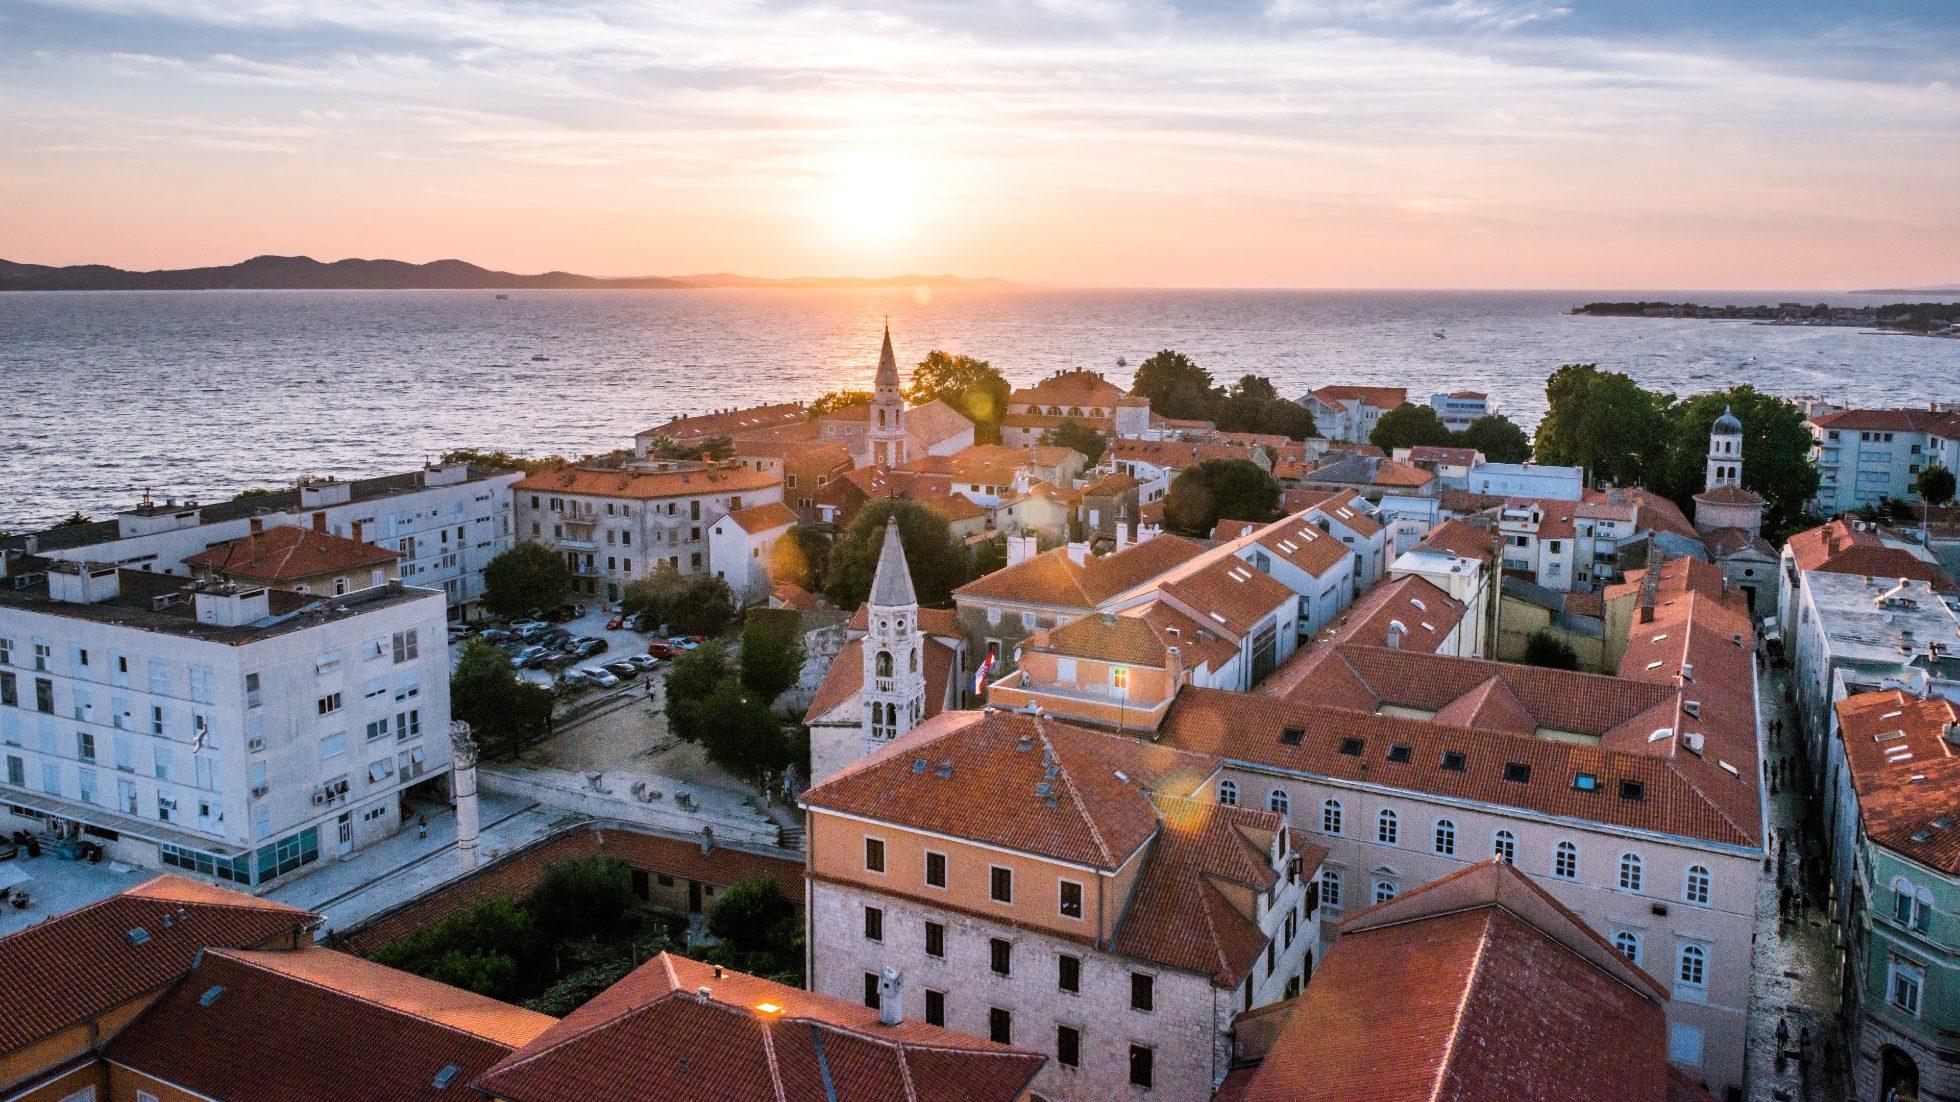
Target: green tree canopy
column 800, row 558
column 505, row 712
column 1775, row 452
column 689, row 604
column 1176, row 386
column 1603, row 421
column 1219, row 489
column 1253, row 404
column 831, row 401
column 1410, row 426
column 937, row 559
column 1542, row 648
column 529, row 575
column 1498, row 438
column 1073, row 434
column 741, row 734
column 969, row 385
column 585, row 897
column 719, row 446
column 1934, row 484
column 690, row 682
column 772, row 651
column 759, row 930
column 499, row 460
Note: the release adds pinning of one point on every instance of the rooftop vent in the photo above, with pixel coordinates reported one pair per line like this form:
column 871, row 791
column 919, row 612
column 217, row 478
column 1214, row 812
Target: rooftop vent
column 446, row 1076
column 138, row 936
column 210, row 996
column 919, row 765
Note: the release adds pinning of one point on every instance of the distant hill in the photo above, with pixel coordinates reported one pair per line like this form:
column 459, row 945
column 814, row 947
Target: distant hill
column 303, row 273
column 1942, row 289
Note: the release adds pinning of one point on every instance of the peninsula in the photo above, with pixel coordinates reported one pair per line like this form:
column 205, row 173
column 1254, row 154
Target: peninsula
column 1926, row 318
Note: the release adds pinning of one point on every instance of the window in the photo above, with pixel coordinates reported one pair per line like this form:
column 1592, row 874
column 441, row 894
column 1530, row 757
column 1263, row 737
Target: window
column 329, row 704
column 1068, row 973
column 935, row 1007
column 377, row 728
column 874, row 855
column 1351, row 747
column 1565, row 861
column 1142, row 1059
column 1693, row 971
column 1330, row 817
column 935, row 869
column 1628, row 943
column 874, row 924
column 9, row 690
column 1384, row 890
column 1903, row 984
column 1278, row 803
column 1453, row 760
column 1696, row 889
column 333, row 746
column 1684, row 1045
column 1629, row 872
column 379, row 771
column 1119, row 678
column 1000, row 884
column 871, row 990
column 1505, row 845
column 1517, row 772
column 1400, row 753
column 1143, row 992
column 1068, row 1046
column 1387, row 829
column 1000, row 954
column 935, row 939
column 1446, row 837
column 44, row 695
column 1330, row 887
column 1911, row 907
column 85, row 746
column 1228, row 793
column 1071, row 899
column 1000, row 1026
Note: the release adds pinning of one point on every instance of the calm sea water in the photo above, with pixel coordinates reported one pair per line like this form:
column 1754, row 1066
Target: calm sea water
column 202, row 394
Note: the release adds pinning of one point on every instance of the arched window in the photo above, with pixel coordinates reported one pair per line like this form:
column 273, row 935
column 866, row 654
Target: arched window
column 1228, row 793
column 1278, row 802
column 1694, row 966
column 1386, row 828
column 1075, row 411
column 1330, row 887
column 1628, row 943
column 1696, row 889
column 1384, row 890
column 1505, row 845
column 1912, row 906
column 1630, row 872
column 912, row 660
column 1330, row 817
column 884, row 663
column 1446, row 837
column 881, row 418
column 1565, row 861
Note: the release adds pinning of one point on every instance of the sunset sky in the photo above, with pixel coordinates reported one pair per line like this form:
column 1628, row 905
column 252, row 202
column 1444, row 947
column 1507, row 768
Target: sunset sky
column 1347, row 143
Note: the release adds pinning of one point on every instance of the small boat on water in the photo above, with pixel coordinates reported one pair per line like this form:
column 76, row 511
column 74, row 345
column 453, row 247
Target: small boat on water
column 540, row 358
column 500, row 298
column 1440, row 336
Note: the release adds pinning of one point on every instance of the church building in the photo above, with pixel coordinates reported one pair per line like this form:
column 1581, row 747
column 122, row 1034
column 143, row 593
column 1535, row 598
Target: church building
column 1730, row 519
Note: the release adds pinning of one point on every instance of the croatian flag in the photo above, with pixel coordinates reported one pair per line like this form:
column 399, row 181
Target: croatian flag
column 980, row 675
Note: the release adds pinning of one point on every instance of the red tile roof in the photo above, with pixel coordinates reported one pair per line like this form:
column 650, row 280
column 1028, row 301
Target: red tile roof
column 654, row 1035
column 1465, row 541
column 78, row 965
column 1730, row 495
column 1843, row 547
column 465, row 1011
column 270, row 1033
column 1455, row 457
column 1229, row 595
column 731, row 421
column 1905, row 773
column 1888, row 420
column 1426, row 613
column 688, row 481
column 288, row 552
column 1381, row 397
column 1052, row 578
column 845, row 678
column 761, row 518
column 1069, row 388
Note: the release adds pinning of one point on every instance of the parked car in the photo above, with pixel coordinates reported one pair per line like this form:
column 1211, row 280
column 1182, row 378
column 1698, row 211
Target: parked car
column 460, row 631
column 635, row 622
column 661, row 648
column 530, row 656
column 496, row 635
column 526, row 629
column 559, row 638
column 686, row 642
column 643, row 662
column 585, row 646
column 558, row 660
column 599, row 676
column 624, row 668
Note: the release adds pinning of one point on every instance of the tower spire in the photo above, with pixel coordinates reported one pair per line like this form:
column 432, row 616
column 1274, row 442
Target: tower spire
column 891, row 587
column 886, row 442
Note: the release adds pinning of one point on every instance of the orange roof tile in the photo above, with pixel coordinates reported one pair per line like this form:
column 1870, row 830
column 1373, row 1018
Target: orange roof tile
column 761, row 518
column 1069, row 388
column 1905, row 773
column 687, row 481
column 287, row 552
column 731, row 421
column 1381, row 397
column 1840, row 547
column 406, row 992
column 845, row 678
column 1052, row 578
column 1228, row 593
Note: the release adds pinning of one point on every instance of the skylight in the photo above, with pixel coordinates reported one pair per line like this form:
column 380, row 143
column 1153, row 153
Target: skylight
column 1517, row 772
column 1399, row 752
column 447, row 1076
column 210, row 996
column 1349, row 746
column 1585, row 782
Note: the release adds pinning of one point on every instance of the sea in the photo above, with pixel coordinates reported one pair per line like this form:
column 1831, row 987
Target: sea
column 202, row 394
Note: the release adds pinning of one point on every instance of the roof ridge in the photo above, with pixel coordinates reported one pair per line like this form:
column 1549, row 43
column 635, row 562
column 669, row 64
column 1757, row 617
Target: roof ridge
column 1462, row 1006
column 232, row 955
column 515, row 1060
column 1074, row 792
column 769, row 1055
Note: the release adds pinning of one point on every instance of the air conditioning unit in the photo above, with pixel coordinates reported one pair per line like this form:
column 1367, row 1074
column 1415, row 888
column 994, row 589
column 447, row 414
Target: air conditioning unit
column 319, row 798
column 258, row 791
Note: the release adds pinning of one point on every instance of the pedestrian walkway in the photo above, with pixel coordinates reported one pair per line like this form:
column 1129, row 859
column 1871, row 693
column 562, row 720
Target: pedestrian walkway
column 1796, row 961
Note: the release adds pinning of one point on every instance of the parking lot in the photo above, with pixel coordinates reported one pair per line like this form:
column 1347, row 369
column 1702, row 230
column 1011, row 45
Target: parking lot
column 620, row 643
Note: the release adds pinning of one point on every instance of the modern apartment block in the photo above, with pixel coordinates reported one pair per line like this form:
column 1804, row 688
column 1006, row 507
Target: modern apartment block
column 233, row 732
column 1865, row 456
column 1459, row 408
column 445, row 523
column 616, row 525
column 1062, row 890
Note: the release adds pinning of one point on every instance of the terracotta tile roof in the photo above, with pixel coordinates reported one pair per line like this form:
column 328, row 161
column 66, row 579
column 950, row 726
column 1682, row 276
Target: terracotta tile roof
column 781, row 442
column 1298, row 499
column 1345, row 508
column 1465, row 541
column 1109, row 485
column 1364, row 470
column 995, row 761
column 1659, row 514
column 1464, row 503
column 1301, row 543
column 1174, row 455
column 934, row 422
column 1840, row 547
column 1730, row 495
column 652, row 1036
column 796, row 597
column 1052, row 578
column 622, row 482
column 1230, row 594
column 1069, row 388
column 1491, row 706
column 1381, row 397
column 1455, row 457
column 761, row 518
column 1905, row 773
column 267, row 1033
column 287, row 552
column 1723, row 542
column 454, row 1007
column 1888, row 420
column 1130, row 639
column 1272, row 440
column 1427, row 614
column 845, row 678
column 731, row 421
column 1045, row 422
column 78, row 965
column 1482, row 987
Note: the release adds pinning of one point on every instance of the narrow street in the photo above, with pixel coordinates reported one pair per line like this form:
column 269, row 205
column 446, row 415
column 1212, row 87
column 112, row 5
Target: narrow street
column 1796, row 962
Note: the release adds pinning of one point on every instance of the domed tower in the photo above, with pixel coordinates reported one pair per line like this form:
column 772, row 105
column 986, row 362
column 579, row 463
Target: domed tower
column 1725, row 451
column 894, row 693
column 887, row 435
column 1723, row 503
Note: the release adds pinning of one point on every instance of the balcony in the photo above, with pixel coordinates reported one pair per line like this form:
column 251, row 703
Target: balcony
column 570, row 544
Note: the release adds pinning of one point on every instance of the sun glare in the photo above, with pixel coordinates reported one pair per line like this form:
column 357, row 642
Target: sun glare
column 874, row 202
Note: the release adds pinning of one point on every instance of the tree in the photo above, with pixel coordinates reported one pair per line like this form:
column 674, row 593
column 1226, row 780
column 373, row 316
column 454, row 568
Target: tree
column 772, row 651
column 1073, row 434
column 529, row 575
column 490, row 946
column 1498, row 438
column 690, row 682
column 1603, row 421
column 690, row 604
column 831, row 401
column 743, row 736
column 1235, row 489
column 505, row 712
column 74, row 520
column 936, row 558
column 1776, row 445
column 718, row 446
column 799, row 558
column 1934, row 484
column 1175, row 385
column 968, row 385
column 499, row 460
column 1410, row 426
column 1282, row 417
column 990, row 555
column 759, row 930
column 1542, row 648
column 585, row 897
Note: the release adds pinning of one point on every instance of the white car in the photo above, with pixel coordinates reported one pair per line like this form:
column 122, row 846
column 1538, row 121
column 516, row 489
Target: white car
column 524, row 629
column 603, row 678
column 644, row 661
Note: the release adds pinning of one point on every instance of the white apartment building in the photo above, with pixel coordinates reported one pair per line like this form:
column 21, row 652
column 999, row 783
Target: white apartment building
column 1865, row 632
column 445, row 521
column 236, row 733
column 1459, row 408
column 1864, row 456
column 617, row 525
column 1526, row 480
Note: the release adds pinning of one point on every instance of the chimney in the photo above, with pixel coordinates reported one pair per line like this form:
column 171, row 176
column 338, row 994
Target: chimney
column 1019, row 549
column 258, row 526
column 357, row 526
column 707, row 839
column 1078, row 553
column 891, row 986
column 320, row 522
column 1395, row 630
column 702, row 992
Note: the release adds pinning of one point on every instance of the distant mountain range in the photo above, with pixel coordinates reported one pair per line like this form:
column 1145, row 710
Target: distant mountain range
column 1942, row 289
column 303, row 273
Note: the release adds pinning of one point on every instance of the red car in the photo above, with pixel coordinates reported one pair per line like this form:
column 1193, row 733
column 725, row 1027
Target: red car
column 660, row 648
column 615, row 623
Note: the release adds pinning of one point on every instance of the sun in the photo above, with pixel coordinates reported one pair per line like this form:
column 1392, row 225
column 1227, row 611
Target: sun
column 874, row 202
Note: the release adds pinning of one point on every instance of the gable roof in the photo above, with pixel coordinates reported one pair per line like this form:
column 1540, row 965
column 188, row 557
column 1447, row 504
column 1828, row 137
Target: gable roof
column 685, row 480
column 1888, row 420
column 1905, row 773
column 77, row 965
column 677, row 1029
column 1465, row 541
column 1228, row 594
column 1069, row 388
column 761, row 518
column 1381, row 397
column 1052, row 578
column 356, row 977
column 287, row 552
column 732, row 421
